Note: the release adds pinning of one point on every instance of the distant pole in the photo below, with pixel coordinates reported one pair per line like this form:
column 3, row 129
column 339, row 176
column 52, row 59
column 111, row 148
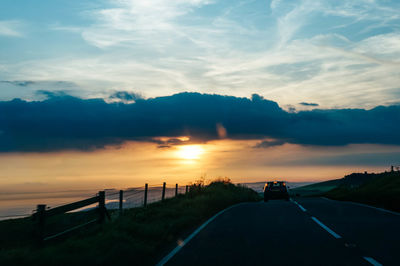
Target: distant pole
column 102, row 206
column 176, row 190
column 121, row 196
column 163, row 191
column 146, row 187
column 41, row 212
column 187, row 189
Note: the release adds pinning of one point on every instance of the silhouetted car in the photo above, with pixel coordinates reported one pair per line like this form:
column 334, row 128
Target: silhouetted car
column 275, row 190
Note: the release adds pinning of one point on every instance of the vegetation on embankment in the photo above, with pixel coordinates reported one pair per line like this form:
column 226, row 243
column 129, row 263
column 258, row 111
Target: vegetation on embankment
column 141, row 236
column 381, row 190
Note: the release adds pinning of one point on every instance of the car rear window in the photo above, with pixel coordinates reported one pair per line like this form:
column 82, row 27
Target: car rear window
column 271, row 184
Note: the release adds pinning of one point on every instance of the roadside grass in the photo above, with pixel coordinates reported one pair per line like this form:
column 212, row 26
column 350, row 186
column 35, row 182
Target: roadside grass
column 381, row 191
column 141, row 236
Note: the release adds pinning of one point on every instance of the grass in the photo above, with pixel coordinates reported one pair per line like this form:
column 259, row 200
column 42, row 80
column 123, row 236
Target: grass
column 380, row 190
column 317, row 189
column 141, row 236
column 383, row 190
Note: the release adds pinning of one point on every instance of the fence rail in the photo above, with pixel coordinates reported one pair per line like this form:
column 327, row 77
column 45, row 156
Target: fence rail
column 107, row 199
column 72, row 206
column 42, row 215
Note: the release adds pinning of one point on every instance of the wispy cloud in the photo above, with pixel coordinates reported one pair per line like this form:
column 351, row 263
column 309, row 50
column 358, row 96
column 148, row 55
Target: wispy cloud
column 132, row 21
column 21, row 83
column 10, row 28
column 36, row 89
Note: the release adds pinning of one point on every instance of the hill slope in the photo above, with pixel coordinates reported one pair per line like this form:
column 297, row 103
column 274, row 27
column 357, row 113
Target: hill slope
column 382, row 190
column 316, row 189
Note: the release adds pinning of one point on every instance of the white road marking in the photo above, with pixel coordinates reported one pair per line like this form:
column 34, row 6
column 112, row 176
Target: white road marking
column 372, row 261
column 301, row 207
column 364, row 205
column 184, row 242
column 326, row 228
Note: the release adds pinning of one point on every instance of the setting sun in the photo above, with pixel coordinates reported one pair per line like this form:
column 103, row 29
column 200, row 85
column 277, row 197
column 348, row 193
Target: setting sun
column 190, row 152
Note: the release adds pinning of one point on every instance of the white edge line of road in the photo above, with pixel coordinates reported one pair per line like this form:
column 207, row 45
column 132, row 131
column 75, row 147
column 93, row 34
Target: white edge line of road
column 364, row 205
column 326, row 228
column 372, row 261
column 180, row 246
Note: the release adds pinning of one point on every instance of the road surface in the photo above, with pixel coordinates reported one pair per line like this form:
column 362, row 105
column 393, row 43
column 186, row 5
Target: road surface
column 304, row 231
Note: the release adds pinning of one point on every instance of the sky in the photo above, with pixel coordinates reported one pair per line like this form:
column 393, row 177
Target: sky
column 105, row 93
column 337, row 54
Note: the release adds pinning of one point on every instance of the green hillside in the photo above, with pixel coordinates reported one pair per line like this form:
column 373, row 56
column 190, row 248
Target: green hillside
column 383, row 190
column 316, row 189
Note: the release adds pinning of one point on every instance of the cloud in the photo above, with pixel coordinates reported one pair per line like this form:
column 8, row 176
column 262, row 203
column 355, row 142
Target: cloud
column 28, row 83
column 126, row 96
column 20, row 83
column 64, row 122
column 309, row 104
column 269, row 143
column 51, row 94
column 362, row 159
column 30, row 89
column 274, row 4
column 10, row 28
column 168, row 142
column 132, row 21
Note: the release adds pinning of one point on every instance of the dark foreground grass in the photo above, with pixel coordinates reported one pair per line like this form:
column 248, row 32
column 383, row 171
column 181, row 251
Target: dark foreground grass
column 382, row 191
column 141, row 236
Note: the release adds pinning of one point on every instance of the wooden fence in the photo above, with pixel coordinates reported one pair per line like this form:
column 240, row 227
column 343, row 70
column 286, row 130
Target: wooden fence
column 42, row 214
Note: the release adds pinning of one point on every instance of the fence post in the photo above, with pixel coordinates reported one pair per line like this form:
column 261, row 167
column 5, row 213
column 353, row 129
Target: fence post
column 121, row 199
column 146, row 187
column 102, row 206
column 163, row 191
column 176, row 190
column 187, row 188
column 41, row 214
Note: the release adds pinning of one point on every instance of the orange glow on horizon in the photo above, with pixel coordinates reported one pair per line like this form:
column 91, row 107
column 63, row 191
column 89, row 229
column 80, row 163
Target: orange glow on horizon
column 137, row 163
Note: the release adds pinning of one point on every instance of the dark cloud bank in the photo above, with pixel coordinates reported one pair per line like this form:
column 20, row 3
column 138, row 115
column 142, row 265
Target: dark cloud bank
column 64, row 122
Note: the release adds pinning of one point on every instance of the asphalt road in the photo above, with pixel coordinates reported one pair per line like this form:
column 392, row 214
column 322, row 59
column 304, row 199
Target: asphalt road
column 305, row 231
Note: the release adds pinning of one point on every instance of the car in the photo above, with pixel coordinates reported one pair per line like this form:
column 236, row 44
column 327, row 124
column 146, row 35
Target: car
column 275, row 190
